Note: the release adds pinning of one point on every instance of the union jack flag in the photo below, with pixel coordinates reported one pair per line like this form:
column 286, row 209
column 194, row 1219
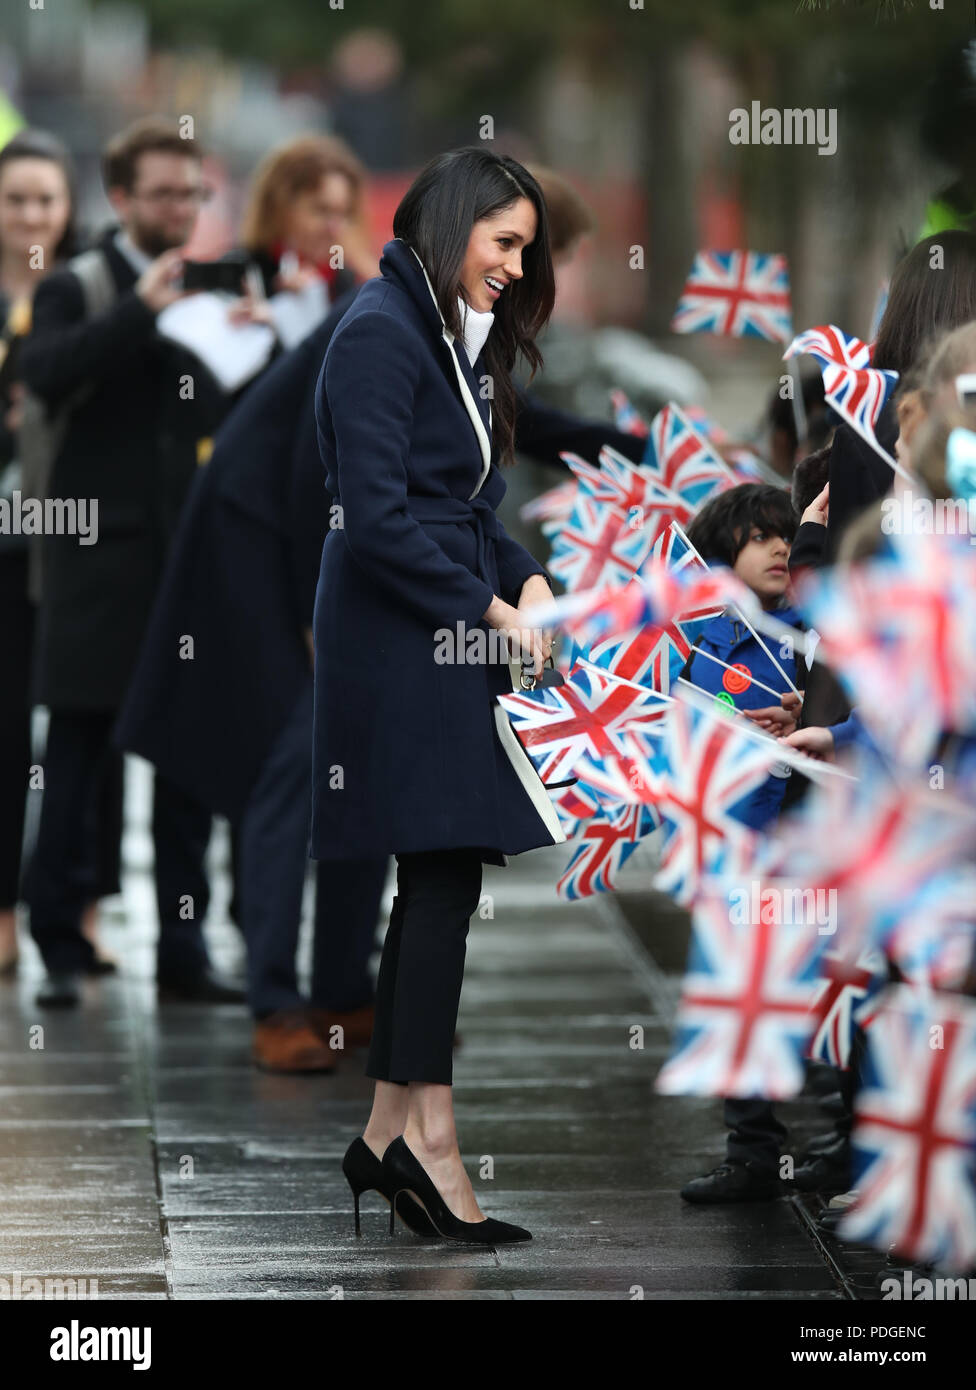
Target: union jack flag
column 915, row 1131
column 557, row 724
column 626, row 416
column 713, row 763
column 598, row 545
column 875, row 842
column 607, row 842
column 706, row 765
column 633, row 488
column 933, row 943
column 832, row 347
column 744, row 1016
column 859, row 398
column 653, row 652
column 901, row 633
column 574, row 804
column 683, row 460
column 739, row 294
column 847, row 996
column 857, row 391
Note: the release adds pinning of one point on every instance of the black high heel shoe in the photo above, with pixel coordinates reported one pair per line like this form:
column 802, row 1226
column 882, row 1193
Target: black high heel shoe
column 405, row 1178
column 364, row 1173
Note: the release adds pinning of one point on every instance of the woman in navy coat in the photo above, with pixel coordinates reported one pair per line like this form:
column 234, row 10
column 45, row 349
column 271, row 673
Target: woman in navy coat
column 415, row 407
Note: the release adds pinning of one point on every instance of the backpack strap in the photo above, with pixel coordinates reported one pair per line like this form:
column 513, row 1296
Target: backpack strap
column 97, row 282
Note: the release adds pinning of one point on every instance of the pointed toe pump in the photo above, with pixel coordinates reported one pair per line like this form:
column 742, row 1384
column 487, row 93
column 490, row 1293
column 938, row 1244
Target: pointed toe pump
column 405, row 1179
column 364, row 1173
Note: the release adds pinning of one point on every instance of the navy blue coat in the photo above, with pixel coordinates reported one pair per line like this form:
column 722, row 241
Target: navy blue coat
column 406, row 756
column 242, row 573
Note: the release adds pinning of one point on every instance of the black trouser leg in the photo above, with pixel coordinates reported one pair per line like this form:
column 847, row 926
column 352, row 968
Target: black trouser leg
column 15, row 719
column 348, row 893
column 60, row 876
column 181, row 833
column 419, row 986
column 755, row 1134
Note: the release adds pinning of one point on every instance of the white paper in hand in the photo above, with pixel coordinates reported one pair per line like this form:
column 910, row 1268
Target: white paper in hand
column 234, row 352
column 297, row 312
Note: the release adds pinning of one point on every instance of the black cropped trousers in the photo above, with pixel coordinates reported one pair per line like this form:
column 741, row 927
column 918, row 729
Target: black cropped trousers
column 418, row 991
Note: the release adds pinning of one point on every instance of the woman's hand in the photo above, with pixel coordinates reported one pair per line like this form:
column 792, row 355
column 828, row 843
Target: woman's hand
column 815, row 742
column 535, row 592
column 819, row 508
column 524, row 643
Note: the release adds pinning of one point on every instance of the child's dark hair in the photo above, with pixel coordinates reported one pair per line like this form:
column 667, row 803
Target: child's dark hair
column 721, row 530
column 809, row 479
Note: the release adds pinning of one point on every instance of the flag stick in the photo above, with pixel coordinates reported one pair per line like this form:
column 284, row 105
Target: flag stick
column 799, row 407
column 741, row 612
column 697, row 651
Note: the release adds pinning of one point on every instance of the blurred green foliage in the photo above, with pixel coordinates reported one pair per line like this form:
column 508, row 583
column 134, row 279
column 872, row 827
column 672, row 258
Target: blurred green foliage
column 526, row 32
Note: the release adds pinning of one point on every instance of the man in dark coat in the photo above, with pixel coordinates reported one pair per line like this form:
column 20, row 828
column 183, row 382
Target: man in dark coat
column 232, row 726
column 137, row 409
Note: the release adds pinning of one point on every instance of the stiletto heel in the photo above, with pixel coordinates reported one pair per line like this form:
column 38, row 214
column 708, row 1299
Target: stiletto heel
column 404, row 1174
column 364, row 1173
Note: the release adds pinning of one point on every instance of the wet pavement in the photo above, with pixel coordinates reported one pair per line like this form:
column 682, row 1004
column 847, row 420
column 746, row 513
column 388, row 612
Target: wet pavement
column 140, row 1146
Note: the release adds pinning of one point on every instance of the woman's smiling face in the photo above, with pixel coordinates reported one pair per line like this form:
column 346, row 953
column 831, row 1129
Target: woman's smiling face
column 495, row 254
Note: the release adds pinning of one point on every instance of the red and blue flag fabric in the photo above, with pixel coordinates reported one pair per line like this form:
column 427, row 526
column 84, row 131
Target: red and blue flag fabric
column 606, row 842
column 848, row 995
column 586, row 715
column 914, row 1137
column 744, row 1016
column 646, row 643
column 626, row 416
column 853, row 388
column 876, row 842
column 682, row 458
column 739, row 294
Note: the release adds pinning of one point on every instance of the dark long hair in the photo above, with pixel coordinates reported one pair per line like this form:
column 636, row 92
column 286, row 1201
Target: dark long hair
column 923, row 302
column 435, row 218
column 39, row 144
column 721, row 530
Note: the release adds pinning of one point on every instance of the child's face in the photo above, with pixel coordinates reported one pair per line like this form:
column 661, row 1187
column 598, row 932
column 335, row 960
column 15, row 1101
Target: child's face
column 763, row 564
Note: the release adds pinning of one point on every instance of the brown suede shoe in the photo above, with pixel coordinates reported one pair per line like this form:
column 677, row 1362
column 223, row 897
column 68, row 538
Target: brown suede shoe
column 356, row 1025
column 286, row 1041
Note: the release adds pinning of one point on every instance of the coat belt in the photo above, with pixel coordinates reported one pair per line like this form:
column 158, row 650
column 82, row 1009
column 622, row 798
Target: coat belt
column 477, row 512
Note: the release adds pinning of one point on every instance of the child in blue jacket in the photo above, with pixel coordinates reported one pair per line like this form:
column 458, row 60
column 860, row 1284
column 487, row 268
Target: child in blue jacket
column 749, row 528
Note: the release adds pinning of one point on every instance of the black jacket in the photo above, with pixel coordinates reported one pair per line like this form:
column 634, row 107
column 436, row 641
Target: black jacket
column 858, row 475
column 132, row 444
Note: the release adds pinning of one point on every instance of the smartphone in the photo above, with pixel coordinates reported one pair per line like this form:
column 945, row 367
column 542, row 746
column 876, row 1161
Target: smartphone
column 966, row 390
column 227, row 275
